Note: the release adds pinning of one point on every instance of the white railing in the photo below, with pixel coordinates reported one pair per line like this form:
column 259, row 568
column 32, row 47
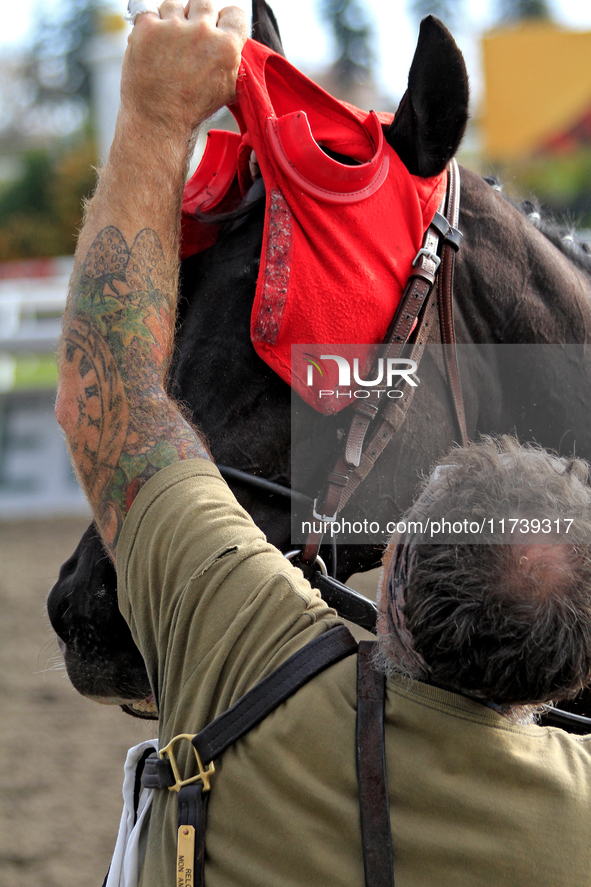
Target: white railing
column 31, row 309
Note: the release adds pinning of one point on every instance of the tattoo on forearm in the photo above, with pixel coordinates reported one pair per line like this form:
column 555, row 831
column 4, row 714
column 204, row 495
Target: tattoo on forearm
column 115, row 350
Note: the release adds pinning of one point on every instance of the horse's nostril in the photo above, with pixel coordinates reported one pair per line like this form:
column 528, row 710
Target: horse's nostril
column 68, row 568
column 57, row 609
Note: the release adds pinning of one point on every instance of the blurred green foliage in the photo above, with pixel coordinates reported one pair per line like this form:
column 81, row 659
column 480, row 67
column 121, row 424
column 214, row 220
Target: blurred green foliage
column 58, row 65
column 34, row 372
column 520, row 10
column 451, row 11
column 561, row 185
column 349, row 21
column 41, row 211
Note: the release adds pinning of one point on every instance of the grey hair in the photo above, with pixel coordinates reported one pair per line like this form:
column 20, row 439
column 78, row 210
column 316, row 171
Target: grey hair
column 508, row 621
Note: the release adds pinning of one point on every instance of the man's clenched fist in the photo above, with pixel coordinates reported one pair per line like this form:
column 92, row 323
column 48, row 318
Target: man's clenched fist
column 181, row 65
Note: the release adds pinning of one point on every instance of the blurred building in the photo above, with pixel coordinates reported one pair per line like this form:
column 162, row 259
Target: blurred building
column 537, row 91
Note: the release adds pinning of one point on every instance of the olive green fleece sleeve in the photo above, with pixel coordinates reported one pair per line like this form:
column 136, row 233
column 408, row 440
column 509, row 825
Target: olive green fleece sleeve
column 208, row 600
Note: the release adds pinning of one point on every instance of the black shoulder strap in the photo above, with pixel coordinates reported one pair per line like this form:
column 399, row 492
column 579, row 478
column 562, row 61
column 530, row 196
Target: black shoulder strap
column 259, row 702
column 249, row 711
column 374, row 805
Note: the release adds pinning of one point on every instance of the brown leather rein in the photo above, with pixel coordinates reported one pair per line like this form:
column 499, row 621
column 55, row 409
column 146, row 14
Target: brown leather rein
column 414, row 319
column 417, row 313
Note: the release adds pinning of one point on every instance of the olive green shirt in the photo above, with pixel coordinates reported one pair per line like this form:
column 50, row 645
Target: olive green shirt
column 475, row 801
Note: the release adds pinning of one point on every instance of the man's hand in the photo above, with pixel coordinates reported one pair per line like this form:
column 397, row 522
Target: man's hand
column 181, row 67
column 120, row 424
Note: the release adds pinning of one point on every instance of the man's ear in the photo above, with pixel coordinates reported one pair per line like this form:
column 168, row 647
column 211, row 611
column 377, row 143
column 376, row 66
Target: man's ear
column 265, row 29
column 431, row 118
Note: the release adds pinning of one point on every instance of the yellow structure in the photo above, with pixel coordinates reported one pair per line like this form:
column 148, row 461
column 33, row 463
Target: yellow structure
column 537, row 87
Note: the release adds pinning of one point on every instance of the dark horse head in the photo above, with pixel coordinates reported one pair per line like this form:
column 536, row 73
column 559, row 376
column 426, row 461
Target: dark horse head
column 512, row 285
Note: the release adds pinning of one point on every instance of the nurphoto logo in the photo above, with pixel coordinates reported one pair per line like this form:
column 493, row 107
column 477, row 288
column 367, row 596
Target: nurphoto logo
column 388, row 372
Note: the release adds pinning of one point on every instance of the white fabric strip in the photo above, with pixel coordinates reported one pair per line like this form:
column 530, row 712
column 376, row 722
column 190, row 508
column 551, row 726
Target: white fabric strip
column 129, row 850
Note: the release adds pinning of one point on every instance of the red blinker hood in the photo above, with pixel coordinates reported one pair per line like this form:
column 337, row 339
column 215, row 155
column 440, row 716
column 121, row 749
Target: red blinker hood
column 339, row 239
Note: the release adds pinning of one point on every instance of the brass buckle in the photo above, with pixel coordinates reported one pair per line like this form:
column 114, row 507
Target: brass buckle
column 205, row 773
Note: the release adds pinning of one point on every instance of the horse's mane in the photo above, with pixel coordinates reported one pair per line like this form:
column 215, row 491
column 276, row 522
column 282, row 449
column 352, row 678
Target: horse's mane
column 561, row 235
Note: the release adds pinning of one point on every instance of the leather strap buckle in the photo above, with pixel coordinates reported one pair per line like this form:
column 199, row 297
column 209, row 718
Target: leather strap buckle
column 205, row 773
column 325, row 518
column 429, row 255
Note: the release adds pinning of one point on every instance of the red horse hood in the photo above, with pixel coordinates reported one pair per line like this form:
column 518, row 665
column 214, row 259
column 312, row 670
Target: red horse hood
column 339, row 239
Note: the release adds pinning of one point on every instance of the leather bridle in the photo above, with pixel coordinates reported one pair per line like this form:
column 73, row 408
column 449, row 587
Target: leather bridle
column 414, row 319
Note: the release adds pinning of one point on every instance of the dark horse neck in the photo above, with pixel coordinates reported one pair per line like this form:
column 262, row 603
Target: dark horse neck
column 513, row 285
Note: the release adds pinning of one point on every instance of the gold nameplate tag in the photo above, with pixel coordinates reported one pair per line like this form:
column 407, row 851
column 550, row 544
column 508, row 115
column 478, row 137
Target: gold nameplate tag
column 185, row 859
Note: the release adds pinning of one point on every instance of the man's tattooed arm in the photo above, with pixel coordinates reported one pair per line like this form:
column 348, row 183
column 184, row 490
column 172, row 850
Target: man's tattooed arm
column 180, row 66
column 114, row 357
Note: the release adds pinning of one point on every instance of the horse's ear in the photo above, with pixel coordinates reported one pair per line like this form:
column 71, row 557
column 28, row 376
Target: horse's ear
column 265, row 29
column 431, row 118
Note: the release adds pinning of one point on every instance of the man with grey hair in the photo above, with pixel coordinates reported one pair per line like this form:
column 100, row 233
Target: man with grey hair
column 499, row 610
column 474, row 798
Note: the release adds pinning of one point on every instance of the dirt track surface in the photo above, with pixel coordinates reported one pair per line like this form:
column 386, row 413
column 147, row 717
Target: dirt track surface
column 61, row 756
